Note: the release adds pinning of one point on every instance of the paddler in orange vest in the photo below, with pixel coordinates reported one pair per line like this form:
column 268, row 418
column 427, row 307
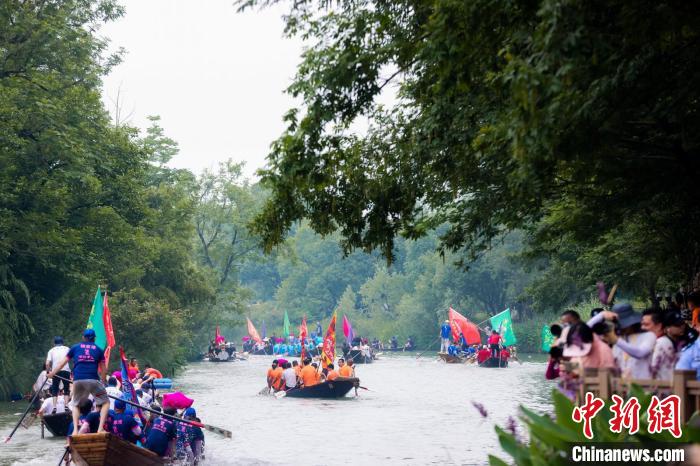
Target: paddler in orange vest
column 331, row 374
column 271, row 375
column 346, row 370
column 308, row 374
column 297, row 368
column 278, row 380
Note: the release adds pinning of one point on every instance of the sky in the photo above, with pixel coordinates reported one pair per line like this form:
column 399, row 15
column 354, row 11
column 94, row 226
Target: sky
column 215, row 76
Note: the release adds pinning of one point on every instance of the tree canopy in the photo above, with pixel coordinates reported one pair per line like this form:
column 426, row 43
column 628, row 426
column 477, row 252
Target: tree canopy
column 572, row 119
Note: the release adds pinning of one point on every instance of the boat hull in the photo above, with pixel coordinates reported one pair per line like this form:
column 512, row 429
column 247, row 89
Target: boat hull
column 337, row 388
column 450, row 359
column 493, row 362
column 58, row 423
column 109, row 450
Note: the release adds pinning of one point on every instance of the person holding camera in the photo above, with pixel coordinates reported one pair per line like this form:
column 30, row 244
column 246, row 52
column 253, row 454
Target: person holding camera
column 633, row 347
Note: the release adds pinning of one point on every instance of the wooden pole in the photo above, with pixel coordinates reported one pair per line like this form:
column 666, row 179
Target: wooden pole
column 224, row 432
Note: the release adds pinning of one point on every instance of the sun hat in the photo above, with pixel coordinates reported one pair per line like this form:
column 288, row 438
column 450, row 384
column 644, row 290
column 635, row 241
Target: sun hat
column 626, row 316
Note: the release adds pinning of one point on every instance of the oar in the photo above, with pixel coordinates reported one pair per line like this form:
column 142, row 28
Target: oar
column 65, row 452
column 210, row 428
column 426, row 350
column 31, row 403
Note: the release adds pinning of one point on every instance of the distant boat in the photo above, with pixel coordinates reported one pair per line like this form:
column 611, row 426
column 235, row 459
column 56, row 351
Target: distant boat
column 337, row 388
column 358, row 357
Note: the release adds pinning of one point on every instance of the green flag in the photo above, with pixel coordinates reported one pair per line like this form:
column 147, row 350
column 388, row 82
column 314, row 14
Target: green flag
column 547, row 338
column 285, row 330
column 503, row 324
column 96, row 320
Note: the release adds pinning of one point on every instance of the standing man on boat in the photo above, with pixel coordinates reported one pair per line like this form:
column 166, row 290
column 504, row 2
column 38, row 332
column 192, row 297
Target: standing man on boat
column 88, row 361
column 53, row 358
column 445, row 334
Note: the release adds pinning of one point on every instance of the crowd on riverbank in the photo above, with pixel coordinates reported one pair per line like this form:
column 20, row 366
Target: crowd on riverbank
column 130, row 406
column 636, row 345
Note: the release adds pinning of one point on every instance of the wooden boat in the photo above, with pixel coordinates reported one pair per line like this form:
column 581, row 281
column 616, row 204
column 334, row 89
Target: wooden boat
column 58, row 423
column 493, row 362
column 450, row 359
column 337, row 388
column 358, row 357
column 109, row 450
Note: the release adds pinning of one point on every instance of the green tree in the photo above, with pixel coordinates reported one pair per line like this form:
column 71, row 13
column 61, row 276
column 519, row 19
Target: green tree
column 569, row 117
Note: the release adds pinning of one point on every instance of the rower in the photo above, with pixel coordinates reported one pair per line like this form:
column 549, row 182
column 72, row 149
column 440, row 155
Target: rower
column 162, row 434
column 308, row 374
column 123, row 424
column 270, row 374
column 48, row 406
column 88, row 360
column 296, row 367
column 289, row 376
column 483, row 354
column 331, row 374
column 347, row 370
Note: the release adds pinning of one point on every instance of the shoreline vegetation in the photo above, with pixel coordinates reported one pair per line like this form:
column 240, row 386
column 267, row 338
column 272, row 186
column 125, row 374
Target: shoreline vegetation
column 86, row 199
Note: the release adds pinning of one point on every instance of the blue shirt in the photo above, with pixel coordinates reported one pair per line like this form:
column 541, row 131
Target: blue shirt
column 161, row 433
column 86, row 358
column 122, row 425
column 690, row 359
column 445, row 331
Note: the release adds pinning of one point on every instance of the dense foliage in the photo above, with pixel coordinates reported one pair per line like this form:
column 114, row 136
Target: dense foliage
column 571, row 119
column 83, row 201
column 409, row 298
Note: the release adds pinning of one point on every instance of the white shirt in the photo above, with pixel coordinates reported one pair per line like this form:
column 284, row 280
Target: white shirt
column 146, row 399
column 633, row 355
column 290, row 377
column 663, row 359
column 114, row 391
column 47, row 405
column 40, row 381
column 56, row 355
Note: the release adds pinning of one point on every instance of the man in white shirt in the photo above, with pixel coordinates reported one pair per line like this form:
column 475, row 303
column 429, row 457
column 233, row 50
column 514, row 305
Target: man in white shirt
column 289, row 376
column 112, row 390
column 53, row 359
column 47, row 407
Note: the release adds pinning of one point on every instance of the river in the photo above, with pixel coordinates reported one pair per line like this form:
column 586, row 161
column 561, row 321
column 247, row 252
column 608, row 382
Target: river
column 417, row 412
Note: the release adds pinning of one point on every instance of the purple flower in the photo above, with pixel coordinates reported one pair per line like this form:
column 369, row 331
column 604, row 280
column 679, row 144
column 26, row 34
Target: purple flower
column 479, row 407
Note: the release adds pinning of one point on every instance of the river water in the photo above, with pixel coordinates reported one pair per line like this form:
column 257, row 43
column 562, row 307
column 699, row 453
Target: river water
column 417, row 412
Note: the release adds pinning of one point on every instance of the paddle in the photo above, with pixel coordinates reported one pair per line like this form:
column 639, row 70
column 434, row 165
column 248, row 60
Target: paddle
column 264, row 391
column 210, row 428
column 428, row 348
column 31, row 403
column 65, row 452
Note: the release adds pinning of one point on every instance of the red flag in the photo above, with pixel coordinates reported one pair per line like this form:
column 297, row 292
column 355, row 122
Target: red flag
column 218, row 339
column 252, row 332
column 109, row 330
column 303, row 331
column 328, row 353
column 461, row 325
